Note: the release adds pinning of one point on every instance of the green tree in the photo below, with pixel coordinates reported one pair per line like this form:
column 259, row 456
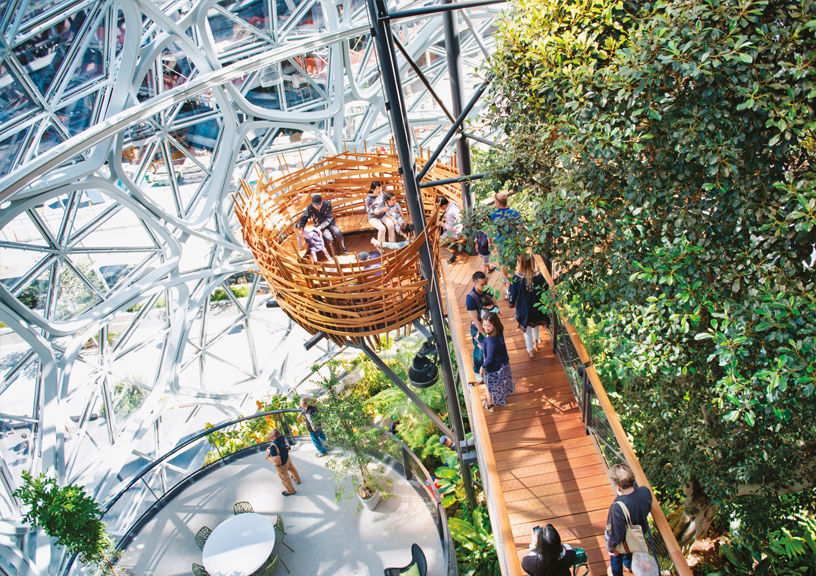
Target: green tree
column 69, row 515
column 347, row 424
column 667, row 151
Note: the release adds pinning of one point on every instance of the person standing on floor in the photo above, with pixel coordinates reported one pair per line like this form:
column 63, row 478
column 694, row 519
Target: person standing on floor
column 478, row 302
column 278, row 454
column 548, row 557
column 313, row 425
column 496, row 372
column 638, row 502
column 508, row 224
column 320, row 212
column 525, row 292
column 377, row 209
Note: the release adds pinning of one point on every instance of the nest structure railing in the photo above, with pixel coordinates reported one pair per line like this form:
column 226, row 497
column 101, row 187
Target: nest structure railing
column 348, row 299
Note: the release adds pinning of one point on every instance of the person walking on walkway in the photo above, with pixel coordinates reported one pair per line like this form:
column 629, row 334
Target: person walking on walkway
column 548, row 557
column 638, row 501
column 320, row 211
column 377, row 209
column 313, row 425
column 496, row 372
column 278, row 454
column 478, row 302
column 525, row 292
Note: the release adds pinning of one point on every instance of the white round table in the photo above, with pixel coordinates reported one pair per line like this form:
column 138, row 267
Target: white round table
column 239, row 545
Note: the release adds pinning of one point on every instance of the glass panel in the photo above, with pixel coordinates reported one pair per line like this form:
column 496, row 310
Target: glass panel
column 49, row 139
column 73, row 294
column 14, row 100
column 311, row 23
column 9, row 148
column 35, row 294
column 43, row 55
column 91, row 64
column 36, row 7
column 265, row 97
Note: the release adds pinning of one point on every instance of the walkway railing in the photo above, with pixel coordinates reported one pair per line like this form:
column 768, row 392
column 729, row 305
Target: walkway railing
column 160, row 481
column 601, row 421
column 494, row 494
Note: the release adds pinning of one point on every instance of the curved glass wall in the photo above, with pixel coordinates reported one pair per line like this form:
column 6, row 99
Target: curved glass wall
column 129, row 316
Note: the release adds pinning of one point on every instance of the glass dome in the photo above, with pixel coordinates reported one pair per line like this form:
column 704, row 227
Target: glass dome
column 129, row 315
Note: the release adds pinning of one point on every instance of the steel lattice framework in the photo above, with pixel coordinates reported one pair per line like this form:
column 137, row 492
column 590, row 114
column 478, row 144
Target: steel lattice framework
column 129, row 318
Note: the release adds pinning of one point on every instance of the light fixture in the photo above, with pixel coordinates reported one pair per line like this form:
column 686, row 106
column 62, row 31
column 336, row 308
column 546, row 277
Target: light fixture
column 423, row 371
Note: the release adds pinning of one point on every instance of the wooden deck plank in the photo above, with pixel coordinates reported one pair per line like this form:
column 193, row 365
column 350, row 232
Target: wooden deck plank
column 547, row 467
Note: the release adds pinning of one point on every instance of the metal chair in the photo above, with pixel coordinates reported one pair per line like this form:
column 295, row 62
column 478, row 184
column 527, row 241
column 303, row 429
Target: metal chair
column 201, row 536
column 417, row 559
column 199, row 570
column 279, row 532
column 269, row 565
column 242, row 507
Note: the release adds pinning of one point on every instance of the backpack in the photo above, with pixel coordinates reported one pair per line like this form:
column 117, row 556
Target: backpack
column 634, row 540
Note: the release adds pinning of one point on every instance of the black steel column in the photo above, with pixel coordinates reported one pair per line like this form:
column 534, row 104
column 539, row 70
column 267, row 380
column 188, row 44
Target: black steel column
column 453, row 49
column 394, row 103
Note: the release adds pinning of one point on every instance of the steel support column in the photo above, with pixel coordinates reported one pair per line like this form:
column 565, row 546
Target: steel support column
column 395, row 104
column 452, row 50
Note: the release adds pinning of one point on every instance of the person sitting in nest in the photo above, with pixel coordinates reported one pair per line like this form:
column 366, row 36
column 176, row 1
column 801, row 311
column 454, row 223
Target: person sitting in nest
column 314, row 241
column 406, row 231
column 377, row 209
column 320, row 212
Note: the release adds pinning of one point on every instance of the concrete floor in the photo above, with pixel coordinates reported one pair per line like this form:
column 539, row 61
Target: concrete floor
column 328, row 537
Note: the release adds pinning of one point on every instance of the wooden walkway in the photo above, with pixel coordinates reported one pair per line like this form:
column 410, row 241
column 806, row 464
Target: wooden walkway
column 548, row 468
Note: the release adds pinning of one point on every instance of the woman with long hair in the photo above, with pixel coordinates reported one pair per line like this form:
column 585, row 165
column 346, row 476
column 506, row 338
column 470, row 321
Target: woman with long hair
column 524, row 294
column 547, row 556
column 495, row 370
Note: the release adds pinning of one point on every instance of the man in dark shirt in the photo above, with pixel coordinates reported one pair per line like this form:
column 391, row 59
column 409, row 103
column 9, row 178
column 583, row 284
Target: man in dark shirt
column 278, row 454
column 478, row 302
column 320, row 211
column 638, row 500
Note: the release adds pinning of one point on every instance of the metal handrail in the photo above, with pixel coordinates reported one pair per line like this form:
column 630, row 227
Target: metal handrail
column 409, row 462
column 586, row 384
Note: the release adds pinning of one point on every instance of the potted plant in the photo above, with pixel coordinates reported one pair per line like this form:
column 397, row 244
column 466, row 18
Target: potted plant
column 69, row 515
column 347, row 425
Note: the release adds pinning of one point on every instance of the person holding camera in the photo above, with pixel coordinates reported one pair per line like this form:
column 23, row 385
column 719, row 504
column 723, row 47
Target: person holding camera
column 547, row 556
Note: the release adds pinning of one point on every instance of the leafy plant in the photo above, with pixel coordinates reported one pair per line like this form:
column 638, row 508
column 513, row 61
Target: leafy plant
column 69, row 515
column 476, row 554
column 787, row 552
column 347, row 424
column 663, row 156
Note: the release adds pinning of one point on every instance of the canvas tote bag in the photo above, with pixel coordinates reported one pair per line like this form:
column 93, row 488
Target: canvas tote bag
column 634, row 540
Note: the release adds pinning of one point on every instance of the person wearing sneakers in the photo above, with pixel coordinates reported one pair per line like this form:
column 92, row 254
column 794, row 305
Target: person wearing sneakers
column 638, row 502
column 496, row 372
column 525, row 293
column 278, row 454
column 313, row 425
column 478, row 302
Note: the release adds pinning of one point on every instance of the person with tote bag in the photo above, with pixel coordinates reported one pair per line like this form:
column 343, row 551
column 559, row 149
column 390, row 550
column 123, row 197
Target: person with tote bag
column 627, row 525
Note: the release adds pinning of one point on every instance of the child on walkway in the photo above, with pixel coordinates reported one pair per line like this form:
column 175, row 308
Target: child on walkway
column 496, row 366
column 525, row 292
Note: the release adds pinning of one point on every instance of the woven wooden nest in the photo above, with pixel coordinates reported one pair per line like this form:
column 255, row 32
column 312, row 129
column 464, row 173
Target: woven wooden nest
column 346, row 298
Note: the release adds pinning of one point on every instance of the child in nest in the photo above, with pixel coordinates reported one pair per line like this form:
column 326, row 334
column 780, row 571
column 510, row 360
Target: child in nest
column 314, row 240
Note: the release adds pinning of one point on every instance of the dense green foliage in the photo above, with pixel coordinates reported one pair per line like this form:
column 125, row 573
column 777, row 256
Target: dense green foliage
column 663, row 154
column 69, row 515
